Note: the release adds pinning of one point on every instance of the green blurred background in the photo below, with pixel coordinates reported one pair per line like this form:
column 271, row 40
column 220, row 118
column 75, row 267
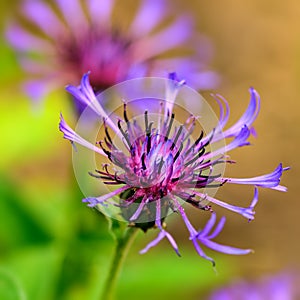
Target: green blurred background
column 53, row 247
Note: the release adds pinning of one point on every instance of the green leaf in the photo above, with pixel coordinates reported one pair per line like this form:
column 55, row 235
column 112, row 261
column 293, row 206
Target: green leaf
column 10, row 288
column 17, row 225
column 37, row 269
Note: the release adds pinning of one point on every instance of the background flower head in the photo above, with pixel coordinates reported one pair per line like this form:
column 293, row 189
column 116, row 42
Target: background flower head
column 63, row 39
column 281, row 286
column 161, row 165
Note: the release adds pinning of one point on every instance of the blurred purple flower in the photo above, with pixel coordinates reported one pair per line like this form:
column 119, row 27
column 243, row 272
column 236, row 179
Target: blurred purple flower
column 284, row 286
column 161, row 168
column 68, row 38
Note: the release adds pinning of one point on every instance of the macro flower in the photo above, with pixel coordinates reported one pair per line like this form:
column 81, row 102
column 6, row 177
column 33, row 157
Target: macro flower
column 57, row 42
column 159, row 164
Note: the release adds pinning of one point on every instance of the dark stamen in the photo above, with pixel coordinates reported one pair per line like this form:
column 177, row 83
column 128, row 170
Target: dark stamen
column 112, row 182
column 214, row 185
column 149, row 129
column 143, row 161
column 108, row 144
column 125, row 113
column 199, row 138
column 160, row 165
column 174, row 179
column 105, row 167
column 199, row 154
column 148, row 144
column 210, row 138
column 161, row 193
column 146, row 120
column 190, row 131
column 125, row 135
column 170, row 127
column 112, row 179
column 209, row 176
column 178, row 152
column 196, row 142
column 108, row 153
column 97, row 176
column 104, row 174
column 106, row 131
column 176, row 137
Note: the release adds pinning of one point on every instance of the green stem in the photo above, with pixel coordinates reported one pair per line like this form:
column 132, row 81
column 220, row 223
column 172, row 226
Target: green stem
column 122, row 246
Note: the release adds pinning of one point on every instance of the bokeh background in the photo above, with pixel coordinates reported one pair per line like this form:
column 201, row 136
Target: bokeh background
column 53, row 247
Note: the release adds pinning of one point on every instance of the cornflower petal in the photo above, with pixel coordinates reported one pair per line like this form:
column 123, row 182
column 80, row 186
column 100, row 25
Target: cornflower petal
column 153, row 243
column 173, row 87
column 149, row 15
column 162, row 234
column 270, row 180
column 245, row 121
column 24, row 41
column 42, row 15
column 73, row 13
column 240, row 140
column 224, row 113
column 224, row 249
column 72, row 136
column 93, row 201
column 86, row 95
column 188, row 224
column 172, row 242
column 218, row 229
column 248, row 117
column 100, row 12
column 204, row 238
column 37, row 88
column 201, row 252
column 180, row 30
column 209, row 225
column 139, row 210
column 279, row 188
column 246, row 212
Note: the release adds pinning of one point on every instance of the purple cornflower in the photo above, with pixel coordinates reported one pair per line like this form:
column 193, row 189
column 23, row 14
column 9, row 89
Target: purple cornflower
column 161, row 166
column 284, row 286
column 68, row 38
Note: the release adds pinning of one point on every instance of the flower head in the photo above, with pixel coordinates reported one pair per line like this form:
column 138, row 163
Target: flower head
column 159, row 164
column 70, row 38
column 279, row 287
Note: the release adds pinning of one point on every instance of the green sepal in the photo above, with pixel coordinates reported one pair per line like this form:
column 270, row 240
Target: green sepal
column 116, row 228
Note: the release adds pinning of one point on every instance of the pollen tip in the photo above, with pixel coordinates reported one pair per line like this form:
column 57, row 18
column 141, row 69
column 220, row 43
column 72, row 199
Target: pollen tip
column 177, row 252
